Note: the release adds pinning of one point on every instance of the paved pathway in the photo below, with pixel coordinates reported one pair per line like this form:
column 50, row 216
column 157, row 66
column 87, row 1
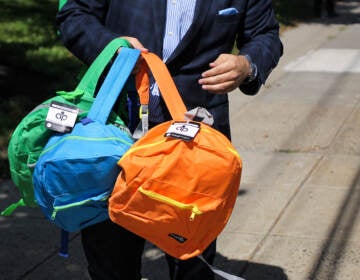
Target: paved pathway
column 297, row 213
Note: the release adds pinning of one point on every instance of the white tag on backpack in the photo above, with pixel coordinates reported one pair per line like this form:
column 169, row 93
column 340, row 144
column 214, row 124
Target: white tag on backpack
column 61, row 117
column 183, row 130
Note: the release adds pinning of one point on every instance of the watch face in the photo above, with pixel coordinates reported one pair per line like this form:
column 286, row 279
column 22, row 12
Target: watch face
column 253, row 70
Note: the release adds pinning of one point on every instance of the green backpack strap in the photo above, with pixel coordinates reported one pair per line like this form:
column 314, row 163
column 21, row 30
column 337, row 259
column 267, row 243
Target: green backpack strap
column 11, row 208
column 62, row 3
column 92, row 75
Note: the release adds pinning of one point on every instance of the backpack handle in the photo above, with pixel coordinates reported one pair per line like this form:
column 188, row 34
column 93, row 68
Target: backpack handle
column 165, row 82
column 92, row 75
column 114, row 82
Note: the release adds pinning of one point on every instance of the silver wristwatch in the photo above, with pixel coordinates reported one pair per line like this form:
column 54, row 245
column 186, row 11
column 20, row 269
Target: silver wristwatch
column 253, row 70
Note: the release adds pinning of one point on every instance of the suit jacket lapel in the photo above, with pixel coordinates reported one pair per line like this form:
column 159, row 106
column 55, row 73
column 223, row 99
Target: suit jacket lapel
column 200, row 13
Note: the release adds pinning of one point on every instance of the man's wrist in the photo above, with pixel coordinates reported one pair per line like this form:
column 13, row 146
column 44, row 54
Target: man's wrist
column 253, row 70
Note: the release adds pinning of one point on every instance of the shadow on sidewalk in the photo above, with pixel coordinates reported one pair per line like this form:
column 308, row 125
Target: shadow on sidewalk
column 155, row 267
column 253, row 271
column 327, row 264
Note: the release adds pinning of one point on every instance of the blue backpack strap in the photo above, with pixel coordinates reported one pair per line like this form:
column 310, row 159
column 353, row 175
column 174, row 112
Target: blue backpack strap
column 64, row 244
column 113, row 84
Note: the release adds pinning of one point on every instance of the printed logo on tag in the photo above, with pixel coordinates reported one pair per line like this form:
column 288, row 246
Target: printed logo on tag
column 183, row 130
column 61, row 117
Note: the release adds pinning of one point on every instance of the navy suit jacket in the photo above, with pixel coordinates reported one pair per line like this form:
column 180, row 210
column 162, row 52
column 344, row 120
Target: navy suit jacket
column 86, row 26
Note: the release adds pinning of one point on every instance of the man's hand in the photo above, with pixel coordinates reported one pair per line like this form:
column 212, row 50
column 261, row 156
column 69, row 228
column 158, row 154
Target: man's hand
column 226, row 73
column 135, row 43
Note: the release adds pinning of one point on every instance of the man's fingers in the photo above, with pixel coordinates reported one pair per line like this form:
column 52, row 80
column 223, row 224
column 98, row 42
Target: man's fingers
column 220, row 88
column 219, row 78
column 216, row 69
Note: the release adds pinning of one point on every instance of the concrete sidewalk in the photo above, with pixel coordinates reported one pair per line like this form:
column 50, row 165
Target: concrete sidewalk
column 297, row 215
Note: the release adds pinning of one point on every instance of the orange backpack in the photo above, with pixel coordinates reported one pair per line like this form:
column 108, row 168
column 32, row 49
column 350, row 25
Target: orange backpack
column 179, row 182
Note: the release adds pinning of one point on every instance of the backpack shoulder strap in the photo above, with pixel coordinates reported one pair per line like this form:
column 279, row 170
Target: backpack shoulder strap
column 90, row 79
column 165, row 82
column 113, row 84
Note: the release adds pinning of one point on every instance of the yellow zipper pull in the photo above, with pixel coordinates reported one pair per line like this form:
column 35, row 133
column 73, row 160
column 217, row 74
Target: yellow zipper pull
column 194, row 211
column 53, row 215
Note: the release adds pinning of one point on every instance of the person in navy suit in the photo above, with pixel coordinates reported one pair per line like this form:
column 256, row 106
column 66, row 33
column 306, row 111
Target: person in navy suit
column 195, row 38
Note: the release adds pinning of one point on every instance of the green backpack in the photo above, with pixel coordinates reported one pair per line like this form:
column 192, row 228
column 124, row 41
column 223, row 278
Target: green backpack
column 30, row 136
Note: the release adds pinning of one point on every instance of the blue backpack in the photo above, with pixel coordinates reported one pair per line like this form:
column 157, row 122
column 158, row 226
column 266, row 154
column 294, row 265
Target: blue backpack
column 76, row 172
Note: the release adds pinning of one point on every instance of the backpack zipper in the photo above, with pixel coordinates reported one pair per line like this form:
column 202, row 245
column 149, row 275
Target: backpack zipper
column 193, row 207
column 74, row 204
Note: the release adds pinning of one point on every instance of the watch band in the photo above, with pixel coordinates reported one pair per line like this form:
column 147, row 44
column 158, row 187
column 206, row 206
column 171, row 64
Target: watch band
column 253, row 70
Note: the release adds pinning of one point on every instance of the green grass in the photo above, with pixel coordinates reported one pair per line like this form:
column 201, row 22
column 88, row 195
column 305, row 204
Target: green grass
column 28, row 38
column 290, row 12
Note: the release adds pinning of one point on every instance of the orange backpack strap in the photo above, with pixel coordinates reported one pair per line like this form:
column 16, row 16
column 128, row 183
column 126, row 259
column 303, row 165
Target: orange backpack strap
column 142, row 82
column 165, row 82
